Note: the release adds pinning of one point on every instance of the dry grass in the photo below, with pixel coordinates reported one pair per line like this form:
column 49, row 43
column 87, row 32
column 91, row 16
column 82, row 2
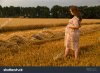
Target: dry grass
column 18, row 48
column 14, row 24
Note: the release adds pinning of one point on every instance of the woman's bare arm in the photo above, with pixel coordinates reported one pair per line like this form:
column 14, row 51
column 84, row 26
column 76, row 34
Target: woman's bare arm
column 75, row 23
column 72, row 27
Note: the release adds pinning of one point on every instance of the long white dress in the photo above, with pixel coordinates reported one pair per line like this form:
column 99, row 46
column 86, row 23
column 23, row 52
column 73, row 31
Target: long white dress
column 72, row 35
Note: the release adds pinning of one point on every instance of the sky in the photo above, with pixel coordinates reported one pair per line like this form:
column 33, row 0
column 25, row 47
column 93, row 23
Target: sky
column 48, row 3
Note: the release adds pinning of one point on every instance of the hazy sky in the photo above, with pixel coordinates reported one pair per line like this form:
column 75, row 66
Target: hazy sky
column 48, row 3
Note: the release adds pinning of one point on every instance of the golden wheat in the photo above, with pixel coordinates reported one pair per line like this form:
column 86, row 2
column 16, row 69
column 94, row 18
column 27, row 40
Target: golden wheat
column 16, row 48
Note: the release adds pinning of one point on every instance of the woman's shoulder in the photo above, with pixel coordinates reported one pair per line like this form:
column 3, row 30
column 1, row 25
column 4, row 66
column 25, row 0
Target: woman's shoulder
column 76, row 18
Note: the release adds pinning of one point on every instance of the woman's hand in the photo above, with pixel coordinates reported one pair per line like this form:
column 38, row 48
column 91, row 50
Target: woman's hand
column 72, row 27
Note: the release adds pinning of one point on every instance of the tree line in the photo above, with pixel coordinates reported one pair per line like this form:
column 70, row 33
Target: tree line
column 44, row 12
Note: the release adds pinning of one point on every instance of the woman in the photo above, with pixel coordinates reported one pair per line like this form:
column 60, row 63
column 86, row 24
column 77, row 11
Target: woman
column 72, row 32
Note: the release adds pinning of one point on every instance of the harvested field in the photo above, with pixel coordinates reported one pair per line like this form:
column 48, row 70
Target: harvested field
column 45, row 46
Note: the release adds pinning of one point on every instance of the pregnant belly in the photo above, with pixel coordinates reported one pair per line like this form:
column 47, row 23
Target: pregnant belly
column 75, row 36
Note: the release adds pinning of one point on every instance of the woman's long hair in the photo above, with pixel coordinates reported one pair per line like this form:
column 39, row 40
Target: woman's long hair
column 76, row 12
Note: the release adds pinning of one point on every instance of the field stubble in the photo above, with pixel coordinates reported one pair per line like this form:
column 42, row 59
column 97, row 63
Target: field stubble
column 45, row 47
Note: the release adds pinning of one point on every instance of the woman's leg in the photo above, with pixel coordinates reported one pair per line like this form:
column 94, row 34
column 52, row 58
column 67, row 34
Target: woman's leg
column 67, row 45
column 76, row 52
column 66, row 51
column 76, row 46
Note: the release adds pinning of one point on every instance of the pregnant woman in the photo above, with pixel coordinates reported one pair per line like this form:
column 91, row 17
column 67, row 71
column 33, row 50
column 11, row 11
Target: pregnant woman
column 72, row 32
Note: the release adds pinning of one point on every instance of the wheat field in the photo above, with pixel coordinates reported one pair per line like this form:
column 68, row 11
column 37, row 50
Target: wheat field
column 40, row 42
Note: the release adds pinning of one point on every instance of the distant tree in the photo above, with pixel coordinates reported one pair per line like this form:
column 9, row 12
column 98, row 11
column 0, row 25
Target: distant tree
column 90, row 12
column 66, row 12
column 42, row 11
column 11, row 11
column 0, row 11
column 17, row 12
column 60, row 12
column 55, row 11
column 33, row 12
column 97, row 12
